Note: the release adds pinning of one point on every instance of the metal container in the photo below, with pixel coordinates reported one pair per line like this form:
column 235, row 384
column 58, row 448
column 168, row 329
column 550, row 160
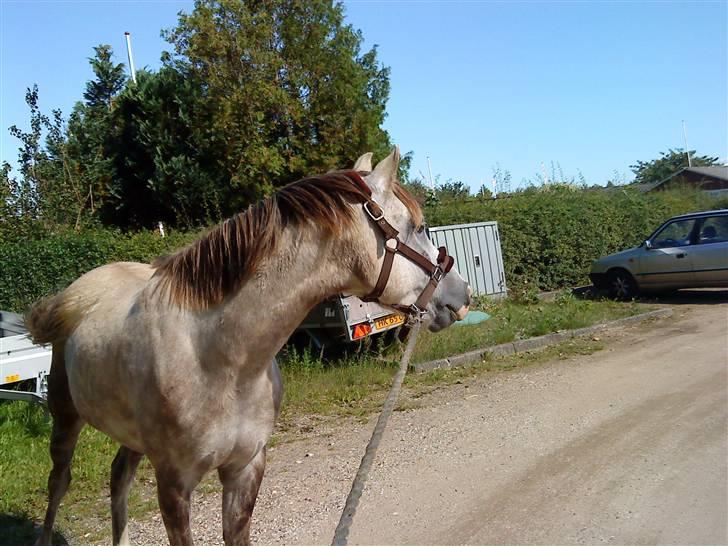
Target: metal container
column 477, row 253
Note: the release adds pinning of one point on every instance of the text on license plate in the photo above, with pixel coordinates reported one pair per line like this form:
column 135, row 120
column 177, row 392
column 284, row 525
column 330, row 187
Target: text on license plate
column 388, row 321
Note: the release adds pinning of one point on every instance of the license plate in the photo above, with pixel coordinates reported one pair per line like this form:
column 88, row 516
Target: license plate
column 388, row 321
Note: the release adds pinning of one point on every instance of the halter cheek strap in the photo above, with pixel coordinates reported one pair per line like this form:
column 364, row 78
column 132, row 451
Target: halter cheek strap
column 392, row 246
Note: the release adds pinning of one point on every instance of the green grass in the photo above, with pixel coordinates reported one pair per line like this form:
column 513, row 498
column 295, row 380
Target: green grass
column 513, row 320
column 315, row 392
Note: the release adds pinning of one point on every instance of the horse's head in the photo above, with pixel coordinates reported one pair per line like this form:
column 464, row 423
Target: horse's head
column 407, row 280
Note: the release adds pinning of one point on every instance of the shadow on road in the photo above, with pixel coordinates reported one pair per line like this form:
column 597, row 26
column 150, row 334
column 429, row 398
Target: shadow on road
column 691, row 296
column 705, row 296
column 20, row 531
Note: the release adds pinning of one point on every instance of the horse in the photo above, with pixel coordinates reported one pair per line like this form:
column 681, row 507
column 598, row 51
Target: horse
column 175, row 360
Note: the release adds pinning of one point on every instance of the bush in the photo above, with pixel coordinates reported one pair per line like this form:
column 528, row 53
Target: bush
column 36, row 267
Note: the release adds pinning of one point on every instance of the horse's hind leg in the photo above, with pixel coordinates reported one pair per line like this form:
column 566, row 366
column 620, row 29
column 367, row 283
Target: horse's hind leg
column 122, row 474
column 239, row 491
column 67, row 425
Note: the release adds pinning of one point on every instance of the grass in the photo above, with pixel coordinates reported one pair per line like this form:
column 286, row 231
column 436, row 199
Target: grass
column 512, row 320
column 315, row 392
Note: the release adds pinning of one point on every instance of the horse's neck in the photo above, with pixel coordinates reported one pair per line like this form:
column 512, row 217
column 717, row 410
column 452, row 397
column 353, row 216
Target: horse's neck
column 307, row 268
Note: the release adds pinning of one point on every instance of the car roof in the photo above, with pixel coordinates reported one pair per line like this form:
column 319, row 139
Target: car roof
column 701, row 214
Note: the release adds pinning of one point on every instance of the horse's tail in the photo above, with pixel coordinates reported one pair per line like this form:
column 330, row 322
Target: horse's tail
column 52, row 319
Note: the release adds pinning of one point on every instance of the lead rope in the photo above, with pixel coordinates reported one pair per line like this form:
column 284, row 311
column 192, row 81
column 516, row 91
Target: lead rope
column 357, row 487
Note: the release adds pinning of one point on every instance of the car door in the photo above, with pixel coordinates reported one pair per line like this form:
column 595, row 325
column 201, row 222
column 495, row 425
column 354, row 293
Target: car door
column 667, row 262
column 710, row 253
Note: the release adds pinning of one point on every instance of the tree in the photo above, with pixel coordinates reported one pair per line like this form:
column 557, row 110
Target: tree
column 288, row 89
column 63, row 170
column 667, row 164
column 110, row 79
column 452, row 191
column 166, row 160
column 88, row 152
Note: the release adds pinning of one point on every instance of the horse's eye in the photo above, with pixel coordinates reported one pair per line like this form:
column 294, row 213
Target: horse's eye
column 421, row 228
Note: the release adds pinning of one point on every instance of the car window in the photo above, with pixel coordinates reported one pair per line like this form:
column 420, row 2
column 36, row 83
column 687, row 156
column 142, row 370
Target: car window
column 714, row 230
column 674, row 234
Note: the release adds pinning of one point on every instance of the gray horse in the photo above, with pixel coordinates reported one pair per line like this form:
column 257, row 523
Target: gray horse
column 175, row 360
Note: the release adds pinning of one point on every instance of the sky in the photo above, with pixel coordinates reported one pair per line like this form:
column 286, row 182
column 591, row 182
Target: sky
column 588, row 86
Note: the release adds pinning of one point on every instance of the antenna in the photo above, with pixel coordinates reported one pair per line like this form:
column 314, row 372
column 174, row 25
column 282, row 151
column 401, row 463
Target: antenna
column 429, row 168
column 131, row 58
column 687, row 150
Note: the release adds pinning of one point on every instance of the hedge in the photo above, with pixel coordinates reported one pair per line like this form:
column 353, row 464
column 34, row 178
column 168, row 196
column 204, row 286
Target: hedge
column 32, row 268
column 549, row 237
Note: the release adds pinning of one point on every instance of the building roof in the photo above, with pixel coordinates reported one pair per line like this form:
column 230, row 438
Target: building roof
column 715, row 171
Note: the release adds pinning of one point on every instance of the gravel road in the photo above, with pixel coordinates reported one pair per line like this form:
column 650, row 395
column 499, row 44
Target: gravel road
column 628, row 445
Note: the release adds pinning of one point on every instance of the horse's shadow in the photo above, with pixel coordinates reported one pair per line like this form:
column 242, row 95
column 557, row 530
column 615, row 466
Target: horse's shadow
column 20, row 531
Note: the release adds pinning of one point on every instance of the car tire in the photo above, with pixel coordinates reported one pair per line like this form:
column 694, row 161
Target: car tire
column 621, row 285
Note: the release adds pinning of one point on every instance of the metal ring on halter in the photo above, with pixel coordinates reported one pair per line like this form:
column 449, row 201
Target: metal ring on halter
column 371, row 214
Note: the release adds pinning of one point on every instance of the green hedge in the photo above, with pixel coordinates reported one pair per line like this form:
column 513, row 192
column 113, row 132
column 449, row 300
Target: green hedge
column 34, row 267
column 549, row 237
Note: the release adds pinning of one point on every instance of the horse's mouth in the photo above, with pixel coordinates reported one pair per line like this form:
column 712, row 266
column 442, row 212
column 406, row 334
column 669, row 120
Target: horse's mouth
column 459, row 314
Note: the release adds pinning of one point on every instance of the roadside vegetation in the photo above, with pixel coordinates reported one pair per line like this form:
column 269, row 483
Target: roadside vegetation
column 316, row 392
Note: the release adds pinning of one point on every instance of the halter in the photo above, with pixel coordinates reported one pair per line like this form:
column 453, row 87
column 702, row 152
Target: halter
column 392, row 246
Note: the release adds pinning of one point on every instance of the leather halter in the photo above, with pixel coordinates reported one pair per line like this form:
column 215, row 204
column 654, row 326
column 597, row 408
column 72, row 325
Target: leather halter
column 392, row 246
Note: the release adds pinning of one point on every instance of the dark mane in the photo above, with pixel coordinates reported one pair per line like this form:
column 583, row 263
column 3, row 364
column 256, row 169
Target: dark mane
column 202, row 274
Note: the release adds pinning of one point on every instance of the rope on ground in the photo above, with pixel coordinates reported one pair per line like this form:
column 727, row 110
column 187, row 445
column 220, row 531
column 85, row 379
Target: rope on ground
column 357, row 487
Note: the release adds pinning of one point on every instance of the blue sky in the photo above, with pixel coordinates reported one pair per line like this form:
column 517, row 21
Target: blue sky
column 593, row 86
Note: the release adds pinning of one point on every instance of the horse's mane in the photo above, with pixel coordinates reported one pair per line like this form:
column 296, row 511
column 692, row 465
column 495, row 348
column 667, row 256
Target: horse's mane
column 202, row 274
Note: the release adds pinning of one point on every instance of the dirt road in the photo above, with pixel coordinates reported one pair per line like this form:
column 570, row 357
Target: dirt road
column 628, row 445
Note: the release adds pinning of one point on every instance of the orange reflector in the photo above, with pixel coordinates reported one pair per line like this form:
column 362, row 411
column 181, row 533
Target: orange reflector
column 361, row 330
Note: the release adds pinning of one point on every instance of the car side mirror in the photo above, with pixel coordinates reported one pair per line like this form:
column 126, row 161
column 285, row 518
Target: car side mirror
column 648, row 244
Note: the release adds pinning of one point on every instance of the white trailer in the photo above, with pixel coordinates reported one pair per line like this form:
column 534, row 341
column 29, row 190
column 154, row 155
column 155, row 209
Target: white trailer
column 24, row 367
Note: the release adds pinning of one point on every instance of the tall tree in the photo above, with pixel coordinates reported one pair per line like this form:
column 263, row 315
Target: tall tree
column 668, row 163
column 87, row 152
column 110, row 79
column 289, row 90
column 166, row 160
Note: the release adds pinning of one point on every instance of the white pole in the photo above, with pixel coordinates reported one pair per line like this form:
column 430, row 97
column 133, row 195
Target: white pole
column 131, row 58
column 429, row 168
column 687, row 150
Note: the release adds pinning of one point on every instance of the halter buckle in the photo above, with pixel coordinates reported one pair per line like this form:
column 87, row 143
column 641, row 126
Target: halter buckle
column 371, row 214
column 438, row 274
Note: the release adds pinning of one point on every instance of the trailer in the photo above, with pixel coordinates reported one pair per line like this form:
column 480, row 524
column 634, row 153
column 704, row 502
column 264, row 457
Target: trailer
column 24, row 366
column 345, row 319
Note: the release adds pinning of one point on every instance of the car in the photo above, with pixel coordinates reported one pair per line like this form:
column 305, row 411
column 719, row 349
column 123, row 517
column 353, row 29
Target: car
column 687, row 251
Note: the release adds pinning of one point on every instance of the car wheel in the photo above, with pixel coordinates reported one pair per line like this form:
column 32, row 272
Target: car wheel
column 621, row 285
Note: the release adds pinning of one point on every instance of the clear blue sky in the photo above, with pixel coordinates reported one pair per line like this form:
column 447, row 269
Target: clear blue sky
column 591, row 85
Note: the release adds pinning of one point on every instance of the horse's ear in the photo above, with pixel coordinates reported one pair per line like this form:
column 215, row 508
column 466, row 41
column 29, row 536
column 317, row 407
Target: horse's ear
column 386, row 170
column 364, row 163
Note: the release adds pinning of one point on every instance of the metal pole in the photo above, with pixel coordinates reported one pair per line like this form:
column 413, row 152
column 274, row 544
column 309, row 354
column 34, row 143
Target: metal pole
column 687, row 150
column 429, row 168
column 131, row 58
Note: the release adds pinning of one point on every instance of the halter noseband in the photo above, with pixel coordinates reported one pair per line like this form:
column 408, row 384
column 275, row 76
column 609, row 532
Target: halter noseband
column 392, row 246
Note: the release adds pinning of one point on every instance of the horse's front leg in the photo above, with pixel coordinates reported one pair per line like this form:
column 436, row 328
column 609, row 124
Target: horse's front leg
column 174, row 488
column 240, row 487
